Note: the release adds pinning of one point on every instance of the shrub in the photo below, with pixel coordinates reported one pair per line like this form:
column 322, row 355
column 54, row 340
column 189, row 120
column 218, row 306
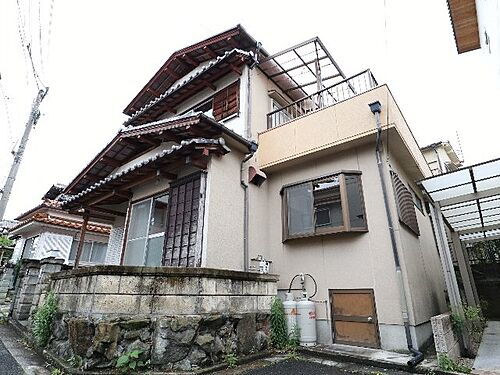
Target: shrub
column 279, row 335
column 471, row 321
column 43, row 318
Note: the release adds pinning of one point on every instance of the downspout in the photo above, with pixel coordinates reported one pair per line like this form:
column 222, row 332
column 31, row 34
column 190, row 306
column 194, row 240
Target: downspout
column 418, row 356
column 252, row 149
column 244, row 185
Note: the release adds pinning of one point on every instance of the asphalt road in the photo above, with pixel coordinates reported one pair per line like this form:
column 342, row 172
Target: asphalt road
column 8, row 365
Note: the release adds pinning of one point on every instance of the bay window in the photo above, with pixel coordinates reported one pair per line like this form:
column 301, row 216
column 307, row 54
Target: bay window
column 325, row 205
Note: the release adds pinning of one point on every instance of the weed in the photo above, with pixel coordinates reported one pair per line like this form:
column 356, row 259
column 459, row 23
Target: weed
column 279, row 335
column 231, row 360
column 75, row 361
column 445, row 363
column 130, row 361
column 56, row 371
column 43, row 318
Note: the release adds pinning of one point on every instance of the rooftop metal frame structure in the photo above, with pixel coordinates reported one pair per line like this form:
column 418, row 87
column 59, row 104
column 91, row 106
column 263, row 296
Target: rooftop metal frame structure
column 303, row 69
column 469, row 199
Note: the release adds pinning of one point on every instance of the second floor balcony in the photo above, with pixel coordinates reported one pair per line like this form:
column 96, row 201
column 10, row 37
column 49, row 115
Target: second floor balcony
column 326, row 97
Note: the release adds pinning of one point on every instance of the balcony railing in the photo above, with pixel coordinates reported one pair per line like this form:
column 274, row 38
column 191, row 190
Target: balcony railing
column 326, row 97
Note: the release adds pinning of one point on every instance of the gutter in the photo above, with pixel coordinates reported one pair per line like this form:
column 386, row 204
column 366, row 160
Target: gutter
column 418, row 356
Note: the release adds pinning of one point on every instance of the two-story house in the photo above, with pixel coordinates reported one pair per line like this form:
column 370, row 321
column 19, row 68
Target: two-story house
column 231, row 152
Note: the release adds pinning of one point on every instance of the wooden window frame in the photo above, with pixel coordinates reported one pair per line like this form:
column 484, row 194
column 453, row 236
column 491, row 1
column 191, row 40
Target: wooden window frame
column 227, row 112
column 344, row 202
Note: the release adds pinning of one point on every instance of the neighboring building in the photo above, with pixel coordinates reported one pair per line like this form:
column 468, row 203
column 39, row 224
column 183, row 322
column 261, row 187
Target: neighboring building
column 441, row 157
column 476, row 25
column 48, row 231
column 187, row 186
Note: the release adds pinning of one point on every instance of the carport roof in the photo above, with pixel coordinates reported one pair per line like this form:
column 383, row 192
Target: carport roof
column 470, row 199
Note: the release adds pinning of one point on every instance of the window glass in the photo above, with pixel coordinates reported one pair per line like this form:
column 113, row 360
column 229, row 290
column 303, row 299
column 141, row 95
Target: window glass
column 98, row 252
column 134, row 253
column 155, row 250
column 159, row 215
column 87, row 247
column 139, row 219
column 355, row 201
column 300, row 209
column 327, row 204
column 74, row 248
column 317, row 207
column 28, row 245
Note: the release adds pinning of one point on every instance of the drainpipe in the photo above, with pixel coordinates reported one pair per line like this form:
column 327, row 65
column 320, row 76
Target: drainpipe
column 253, row 149
column 418, row 356
column 244, row 185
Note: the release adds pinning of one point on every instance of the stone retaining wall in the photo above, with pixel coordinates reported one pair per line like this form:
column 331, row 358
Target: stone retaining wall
column 179, row 318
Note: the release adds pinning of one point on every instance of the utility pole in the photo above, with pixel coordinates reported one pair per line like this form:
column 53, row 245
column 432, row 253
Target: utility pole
column 18, row 155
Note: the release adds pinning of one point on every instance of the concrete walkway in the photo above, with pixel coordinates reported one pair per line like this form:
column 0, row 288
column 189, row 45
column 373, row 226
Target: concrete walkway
column 28, row 362
column 488, row 356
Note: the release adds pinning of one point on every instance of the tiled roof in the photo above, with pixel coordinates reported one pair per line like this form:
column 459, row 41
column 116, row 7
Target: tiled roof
column 46, row 203
column 62, row 222
column 159, row 155
column 185, row 81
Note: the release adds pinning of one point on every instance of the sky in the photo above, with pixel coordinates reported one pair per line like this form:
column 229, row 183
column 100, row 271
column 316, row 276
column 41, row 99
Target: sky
column 96, row 55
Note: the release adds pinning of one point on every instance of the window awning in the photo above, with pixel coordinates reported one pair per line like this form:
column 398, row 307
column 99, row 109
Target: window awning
column 470, row 199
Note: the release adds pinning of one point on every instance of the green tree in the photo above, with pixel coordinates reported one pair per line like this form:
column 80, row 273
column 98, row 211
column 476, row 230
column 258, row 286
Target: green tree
column 5, row 242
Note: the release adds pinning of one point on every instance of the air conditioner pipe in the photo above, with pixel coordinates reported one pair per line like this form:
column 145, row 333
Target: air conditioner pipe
column 418, row 356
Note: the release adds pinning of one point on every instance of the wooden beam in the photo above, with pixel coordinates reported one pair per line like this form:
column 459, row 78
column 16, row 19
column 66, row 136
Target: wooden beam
column 153, row 91
column 232, row 42
column 209, row 84
column 83, row 230
column 210, row 52
column 139, row 181
column 172, row 73
column 113, row 193
column 106, row 211
column 128, row 142
column 199, row 162
column 148, row 140
column 235, row 69
column 190, row 61
column 92, row 177
column 111, row 161
column 168, row 175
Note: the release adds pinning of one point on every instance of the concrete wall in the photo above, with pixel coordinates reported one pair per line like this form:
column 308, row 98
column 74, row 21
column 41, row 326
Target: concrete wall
column 120, row 290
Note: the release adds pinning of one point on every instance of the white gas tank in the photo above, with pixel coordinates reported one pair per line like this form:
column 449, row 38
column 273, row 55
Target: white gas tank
column 290, row 306
column 306, row 321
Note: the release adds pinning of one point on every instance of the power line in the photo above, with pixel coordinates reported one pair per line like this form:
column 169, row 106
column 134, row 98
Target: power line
column 7, row 112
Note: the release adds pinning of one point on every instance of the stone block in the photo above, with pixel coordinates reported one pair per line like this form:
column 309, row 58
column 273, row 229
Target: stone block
column 107, row 284
column 214, row 304
column 173, row 305
column 245, row 332
column 272, row 288
column 208, row 285
column 68, row 302
column 256, row 288
column 243, row 304
column 115, row 303
column 84, row 303
column 174, row 285
column 264, row 303
column 145, row 304
column 229, row 287
column 136, row 284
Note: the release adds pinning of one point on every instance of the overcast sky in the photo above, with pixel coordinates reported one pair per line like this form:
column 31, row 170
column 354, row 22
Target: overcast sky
column 101, row 53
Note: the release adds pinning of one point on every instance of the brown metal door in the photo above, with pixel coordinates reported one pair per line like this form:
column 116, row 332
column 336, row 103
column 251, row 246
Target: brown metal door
column 354, row 317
